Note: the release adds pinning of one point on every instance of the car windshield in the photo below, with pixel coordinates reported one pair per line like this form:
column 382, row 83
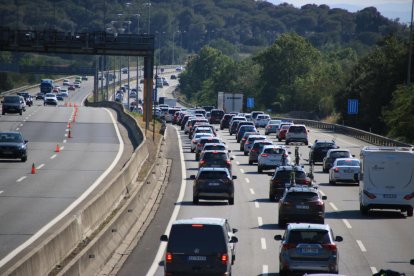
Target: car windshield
column 260, row 146
column 10, row 138
column 213, row 175
column 339, row 154
column 324, row 145
column 206, row 238
column 309, row 236
column 300, row 196
column 297, row 129
column 217, row 147
column 11, row 99
column 212, row 156
column 209, row 140
column 353, row 163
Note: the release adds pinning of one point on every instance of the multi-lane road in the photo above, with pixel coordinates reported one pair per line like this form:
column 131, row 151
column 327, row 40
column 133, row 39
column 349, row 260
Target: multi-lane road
column 382, row 240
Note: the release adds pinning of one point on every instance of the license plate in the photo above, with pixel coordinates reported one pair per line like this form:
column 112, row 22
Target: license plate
column 348, row 171
column 213, row 184
column 7, row 152
column 390, row 196
column 197, row 258
column 302, row 207
column 309, row 251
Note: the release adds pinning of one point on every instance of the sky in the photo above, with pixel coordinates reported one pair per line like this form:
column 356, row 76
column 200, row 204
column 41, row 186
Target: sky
column 388, row 8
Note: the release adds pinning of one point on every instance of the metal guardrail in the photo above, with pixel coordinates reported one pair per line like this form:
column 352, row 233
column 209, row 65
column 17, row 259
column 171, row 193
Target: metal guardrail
column 362, row 135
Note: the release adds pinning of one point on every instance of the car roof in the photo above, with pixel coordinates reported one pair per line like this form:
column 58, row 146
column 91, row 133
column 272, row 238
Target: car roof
column 345, row 159
column 209, row 221
column 10, row 132
column 308, row 226
column 257, row 136
column 218, row 151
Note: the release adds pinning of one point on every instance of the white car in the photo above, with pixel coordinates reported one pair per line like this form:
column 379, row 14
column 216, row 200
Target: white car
column 344, row 170
column 271, row 157
column 64, row 92
column 77, row 84
column 50, row 98
column 261, row 120
column 66, row 82
column 196, row 138
column 297, row 133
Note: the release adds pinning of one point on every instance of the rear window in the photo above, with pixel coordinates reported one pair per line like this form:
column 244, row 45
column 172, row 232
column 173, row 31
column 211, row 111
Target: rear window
column 10, row 138
column 251, row 139
column 227, row 117
column 324, row 145
column 247, row 128
column 218, row 147
column 206, row 238
column 285, row 175
column 354, row 163
column 297, row 129
column 217, row 113
column 274, row 151
column 11, row 99
column 285, row 127
column 339, row 154
column 213, row 175
column 310, row 196
column 260, row 145
column 215, row 156
column 309, row 236
column 211, row 140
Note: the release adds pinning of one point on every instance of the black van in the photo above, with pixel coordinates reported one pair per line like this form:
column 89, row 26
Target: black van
column 200, row 246
column 216, row 115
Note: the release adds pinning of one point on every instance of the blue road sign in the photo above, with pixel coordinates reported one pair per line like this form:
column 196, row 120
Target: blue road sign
column 352, row 106
column 250, row 102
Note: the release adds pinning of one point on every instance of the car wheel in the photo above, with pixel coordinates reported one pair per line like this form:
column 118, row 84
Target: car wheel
column 280, row 140
column 231, row 201
column 286, row 142
column 3, row 112
column 322, row 221
column 410, row 212
column 245, row 153
column 283, row 272
column 331, row 182
column 363, row 209
column 195, row 200
column 259, row 169
column 250, row 162
column 197, row 157
column 324, row 170
column 24, row 159
column 20, row 112
column 306, row 143
column 192, row 150
column 233, row 259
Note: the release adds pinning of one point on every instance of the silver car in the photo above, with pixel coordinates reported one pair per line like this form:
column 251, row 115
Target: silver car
column 344, row 170
column 197, row 138
column 308, row 247
column 271, row 157
column 249, row 142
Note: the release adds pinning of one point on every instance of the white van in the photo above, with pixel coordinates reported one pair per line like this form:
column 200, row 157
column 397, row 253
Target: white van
column 387, row 179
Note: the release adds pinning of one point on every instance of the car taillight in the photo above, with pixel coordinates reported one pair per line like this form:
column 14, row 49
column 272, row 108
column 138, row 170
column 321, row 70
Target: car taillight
column 287, row 246
column 329, row 246
column 369, row 195
column 228, row 162
column 264, row 155
column 287, row 203
column 243, row 139
column 318, row 202
column 247, row 143
column 336, row 169
column 202, row 162
column 285, row 155
column 268, row 127
column 224, row 258
column 169, row 257
column 253, row 150
column 409, row 196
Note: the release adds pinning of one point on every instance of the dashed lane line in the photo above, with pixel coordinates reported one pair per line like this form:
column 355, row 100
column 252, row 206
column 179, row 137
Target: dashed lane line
column 21, row 179
column 247, row 180
column 40, row 166
column 241, row 170
column 53, row 156
column 61, row 148
column 17, row 129
column 265, row 270
column 347, row 224
column 237, row 162
column 260, row 221
column 374, row 269
column 64, row 141
column 333, row 206
column 1, row 192
column 361, row 246
column 251, row 191
column 21, row 125
column 256, row 204
column 263, row 243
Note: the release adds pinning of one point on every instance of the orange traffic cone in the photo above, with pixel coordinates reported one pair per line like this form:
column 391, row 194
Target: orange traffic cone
column 75, row 105
column 57, row 148
column 33, row 169
column 69, row 125
column 69, row 134
column 74, row 118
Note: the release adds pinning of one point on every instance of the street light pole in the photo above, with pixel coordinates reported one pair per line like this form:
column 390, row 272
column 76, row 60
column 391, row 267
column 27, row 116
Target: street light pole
column 148, row 5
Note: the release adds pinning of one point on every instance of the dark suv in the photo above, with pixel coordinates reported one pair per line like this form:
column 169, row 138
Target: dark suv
column 215, row 158
column 224, row 123
column 13, row 104
column 13, row 146
column 199, row 246
column 284, row 177
column 319, row 149
column 213, row 183
column 216, row 115
column 301, row 204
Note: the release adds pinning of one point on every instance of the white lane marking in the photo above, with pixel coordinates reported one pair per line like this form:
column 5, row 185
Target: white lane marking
column 256, row 204
column 21, row 179
column 26, row 118
column 263, row 243
column 163, row 245
column 247, row 180
column 1, row 192
column 373, row 270
column 265, row 270
column 17, row 128
column 333, row 206
column 347, row 224
column 251, row 191
column 40, row 166
column 64, row 141
column 237, row 162
column 61, row 148
column 322, row 193
column 74, row 204
column 260, row 221
column 361, row 246
column 241, row 170
column 67, row 130
column 53, row 156
column 21, row 125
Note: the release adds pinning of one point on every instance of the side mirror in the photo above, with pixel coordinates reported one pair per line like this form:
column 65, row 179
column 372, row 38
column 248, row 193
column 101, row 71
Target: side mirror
column 338, row 239
column 164, row 238
column 234, row 177
column 234, row 240
column 25, row 141
column 192, row 176
column 234, row 230
column 324, row 197
column 412, row 261
column 231, row 158
column 278, row 237
column 309, row 147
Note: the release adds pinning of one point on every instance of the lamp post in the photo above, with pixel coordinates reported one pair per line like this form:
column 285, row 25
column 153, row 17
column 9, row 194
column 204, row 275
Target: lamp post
column 148, row 5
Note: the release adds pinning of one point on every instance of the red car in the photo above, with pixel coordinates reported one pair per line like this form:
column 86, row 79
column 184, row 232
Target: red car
column 282, row 132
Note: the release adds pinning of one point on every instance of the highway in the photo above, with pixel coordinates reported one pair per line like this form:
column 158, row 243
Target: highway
column 382, row 240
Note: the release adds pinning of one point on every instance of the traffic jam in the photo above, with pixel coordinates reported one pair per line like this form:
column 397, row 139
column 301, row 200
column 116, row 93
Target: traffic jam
column 275, row 148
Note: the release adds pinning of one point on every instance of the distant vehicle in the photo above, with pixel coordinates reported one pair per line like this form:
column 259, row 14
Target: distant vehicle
column 66, row 82
column 249, row 142
column 207, row 243
column 179, row 69
column 224, row 122
column 50, row 99
column 271, row 157
column 46, row 86
column 297, row 133
column 308, row 247
column 262, row 120
column 201, row 142
column 77, row 84
column 13, row 146
column 255, row 113
column 27, row 97
column 344, row 170
column 13, row 104
column 40, row 96
column 71, row 87
column 124, row 70
column 332, row 155
column 173, row 77
column 64, row 92
column 319, row 149
column 60, row 97
column 84, row 77
column 159, row 83
column 386, row 180
column 216, row 115
column 230, row 102
column 257, row 149
column 78, row 79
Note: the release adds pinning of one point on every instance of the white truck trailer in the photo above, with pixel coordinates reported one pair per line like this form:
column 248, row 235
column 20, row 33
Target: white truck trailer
column 230, row 102
column 387, row 179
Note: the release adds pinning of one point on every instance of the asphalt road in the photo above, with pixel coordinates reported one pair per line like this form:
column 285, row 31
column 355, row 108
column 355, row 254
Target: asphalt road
column 382, row 240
